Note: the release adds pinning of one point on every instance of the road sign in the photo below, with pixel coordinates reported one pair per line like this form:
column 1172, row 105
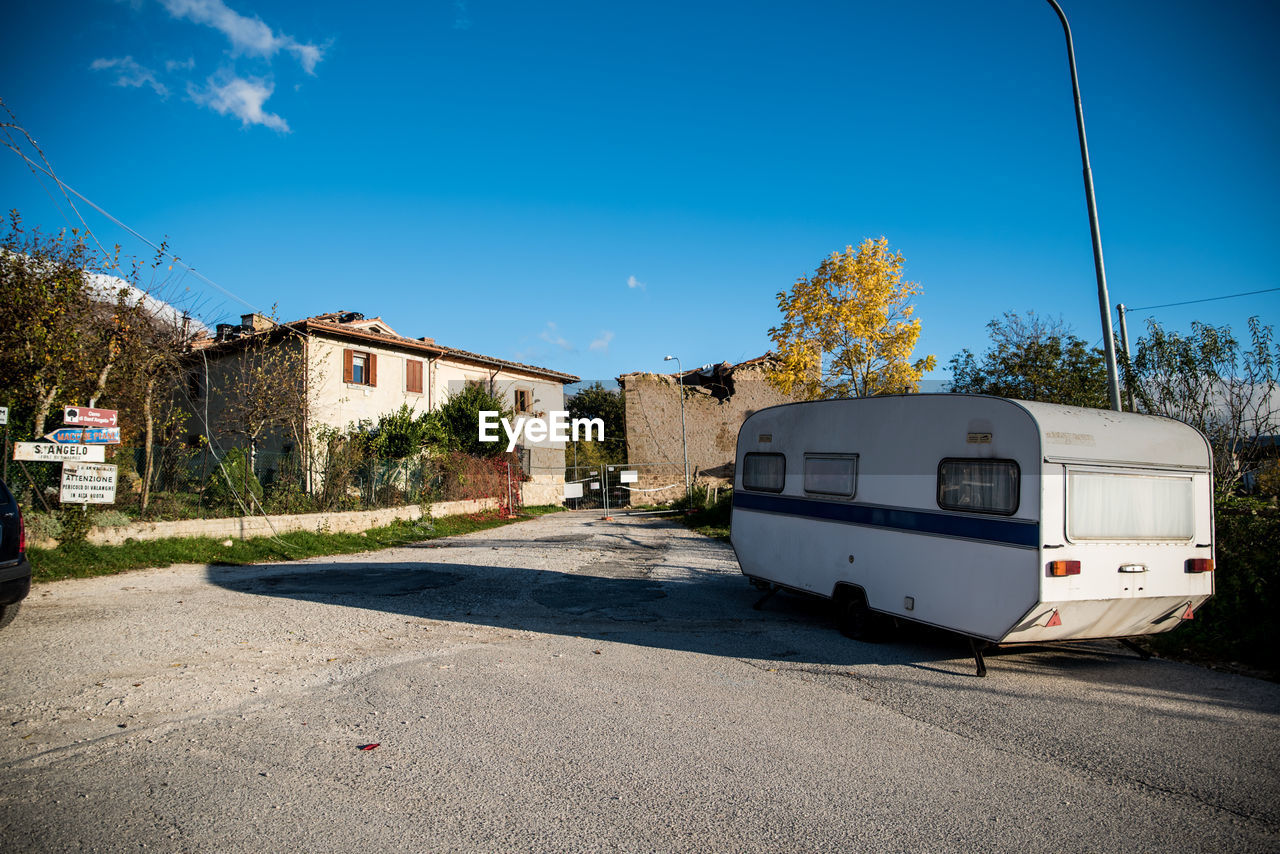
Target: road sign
column 88, row 483
column 47, row 452
column 4, row 415
column 87, row 417
column 85, row 436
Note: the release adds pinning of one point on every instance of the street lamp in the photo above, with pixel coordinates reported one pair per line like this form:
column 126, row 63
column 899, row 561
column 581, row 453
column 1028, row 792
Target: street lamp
column 684, row 440
column 1104, row 304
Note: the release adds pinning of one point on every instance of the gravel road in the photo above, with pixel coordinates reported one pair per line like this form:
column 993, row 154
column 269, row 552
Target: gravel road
column 572, row 684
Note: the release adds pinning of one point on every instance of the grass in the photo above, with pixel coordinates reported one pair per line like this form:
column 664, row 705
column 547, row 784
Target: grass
column 710, row 521
column 84, row 560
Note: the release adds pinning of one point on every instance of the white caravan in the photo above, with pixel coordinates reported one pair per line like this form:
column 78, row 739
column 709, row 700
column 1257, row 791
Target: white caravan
column 1003, row 520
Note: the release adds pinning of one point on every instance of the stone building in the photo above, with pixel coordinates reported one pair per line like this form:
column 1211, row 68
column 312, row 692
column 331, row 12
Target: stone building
column 717, row 399
column 357, row 369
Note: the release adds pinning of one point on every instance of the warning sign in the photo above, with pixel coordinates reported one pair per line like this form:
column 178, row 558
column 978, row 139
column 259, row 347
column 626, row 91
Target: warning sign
column 88, row 483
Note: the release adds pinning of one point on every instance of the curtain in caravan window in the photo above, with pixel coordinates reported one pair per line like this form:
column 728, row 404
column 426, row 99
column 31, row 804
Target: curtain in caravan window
column 764, row 472
column 830, row 475
column 1105, row 506
column 978, row 486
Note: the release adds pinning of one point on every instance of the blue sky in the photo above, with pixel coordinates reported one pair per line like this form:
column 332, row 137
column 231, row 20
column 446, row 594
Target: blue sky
column 591, row 186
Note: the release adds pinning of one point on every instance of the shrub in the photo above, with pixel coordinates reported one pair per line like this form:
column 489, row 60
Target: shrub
column 219, row 495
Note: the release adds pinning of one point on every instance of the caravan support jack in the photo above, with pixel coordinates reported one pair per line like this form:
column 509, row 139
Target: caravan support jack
column 978, row 646
column 769, row 593
column 1144, row 654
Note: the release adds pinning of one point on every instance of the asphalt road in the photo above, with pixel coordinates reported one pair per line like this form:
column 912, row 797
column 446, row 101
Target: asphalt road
column 570, row 684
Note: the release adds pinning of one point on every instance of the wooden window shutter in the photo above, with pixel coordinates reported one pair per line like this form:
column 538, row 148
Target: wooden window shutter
column 346, row 366
column 373, row 369
column 413, row 376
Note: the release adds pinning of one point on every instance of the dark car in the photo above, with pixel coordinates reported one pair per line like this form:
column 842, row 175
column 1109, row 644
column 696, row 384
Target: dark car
column 15, row 570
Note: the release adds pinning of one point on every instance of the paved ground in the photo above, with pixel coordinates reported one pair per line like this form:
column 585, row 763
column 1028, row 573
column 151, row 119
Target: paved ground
column 570, row 684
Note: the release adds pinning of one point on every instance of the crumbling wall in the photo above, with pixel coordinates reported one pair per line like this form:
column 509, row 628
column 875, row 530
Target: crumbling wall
column 716, row 402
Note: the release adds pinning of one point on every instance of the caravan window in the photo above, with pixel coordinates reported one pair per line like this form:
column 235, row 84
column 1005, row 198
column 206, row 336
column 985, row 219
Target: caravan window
column 978, row 486
column 1117, row 506
column 764, row 472
column 830, row 474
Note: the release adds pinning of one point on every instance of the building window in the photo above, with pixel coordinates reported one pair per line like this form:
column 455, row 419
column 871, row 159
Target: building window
column 359, row 368
column 413, row 376
column 978, row 486
column 764, row 472
column 524, row 400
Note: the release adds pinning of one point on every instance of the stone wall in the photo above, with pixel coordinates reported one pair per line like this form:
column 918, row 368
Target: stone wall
column 714, row 408
column 244, row 527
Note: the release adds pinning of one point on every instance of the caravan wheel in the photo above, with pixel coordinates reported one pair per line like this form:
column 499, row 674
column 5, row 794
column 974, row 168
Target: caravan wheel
column 859, row 622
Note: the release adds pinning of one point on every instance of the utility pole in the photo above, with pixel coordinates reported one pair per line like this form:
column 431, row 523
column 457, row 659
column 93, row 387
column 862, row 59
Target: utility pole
column 684, row 437
column 1124, row 343
column 1104, row 302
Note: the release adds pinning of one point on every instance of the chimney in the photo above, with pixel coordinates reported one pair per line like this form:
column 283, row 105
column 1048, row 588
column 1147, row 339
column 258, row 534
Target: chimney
column 255, row 322
column 426, row 340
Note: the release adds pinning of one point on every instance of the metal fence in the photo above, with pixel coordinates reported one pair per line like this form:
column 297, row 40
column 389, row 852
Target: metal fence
column 194, row 483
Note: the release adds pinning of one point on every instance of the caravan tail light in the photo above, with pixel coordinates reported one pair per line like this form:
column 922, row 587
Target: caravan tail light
column 1199, row 564
column 1059, row 568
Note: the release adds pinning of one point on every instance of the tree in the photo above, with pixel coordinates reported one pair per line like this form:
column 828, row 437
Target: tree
column 848, row 330
column 262, row 385
column 1209, row 381
column 457, row 422
column 1033, row 358
column 596, row 401
column 67, row 329
column 46, row 327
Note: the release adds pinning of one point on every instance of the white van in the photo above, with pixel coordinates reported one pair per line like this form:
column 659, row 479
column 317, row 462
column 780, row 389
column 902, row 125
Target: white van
column 1003, row 520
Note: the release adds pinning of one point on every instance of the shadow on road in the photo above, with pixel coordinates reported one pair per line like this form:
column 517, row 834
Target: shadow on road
column 705, row 612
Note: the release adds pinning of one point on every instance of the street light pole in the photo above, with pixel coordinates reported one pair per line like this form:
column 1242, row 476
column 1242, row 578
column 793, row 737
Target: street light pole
column 1104, row 303
column 684, row 437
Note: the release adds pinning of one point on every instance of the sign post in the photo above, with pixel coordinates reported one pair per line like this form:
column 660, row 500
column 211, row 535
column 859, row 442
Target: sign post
column 85, row 436
column 4, row 419
column 86, row 417
column 47, row 452
column 88, row 483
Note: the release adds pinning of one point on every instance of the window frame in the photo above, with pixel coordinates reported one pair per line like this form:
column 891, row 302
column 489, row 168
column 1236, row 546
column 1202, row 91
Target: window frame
column 1067, row 488
column 782, row 481
column 822, row 455
column 528, row 400
column 1017, row 479
column 370, row 367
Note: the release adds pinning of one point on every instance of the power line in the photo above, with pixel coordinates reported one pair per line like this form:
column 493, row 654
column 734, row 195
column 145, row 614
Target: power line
column 1206, row 299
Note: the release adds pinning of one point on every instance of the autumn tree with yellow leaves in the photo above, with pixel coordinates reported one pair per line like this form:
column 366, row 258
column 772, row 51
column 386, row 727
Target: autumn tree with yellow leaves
column 848, row 330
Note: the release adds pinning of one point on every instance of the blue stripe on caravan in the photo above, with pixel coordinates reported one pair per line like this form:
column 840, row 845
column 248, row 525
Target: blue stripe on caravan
column 1010, row 532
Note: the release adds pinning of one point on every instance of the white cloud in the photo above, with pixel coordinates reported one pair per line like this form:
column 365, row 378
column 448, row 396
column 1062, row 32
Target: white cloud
column 633, row 282
column 552, row 336
column 175, row 65
column 247, row 35
column 461, row 20
column 601, row 343
column 130, row 74
column 240, row 97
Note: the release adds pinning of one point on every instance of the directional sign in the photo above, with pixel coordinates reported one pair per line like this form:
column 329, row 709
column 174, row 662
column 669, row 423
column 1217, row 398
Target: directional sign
column 47, row 452
column 87, row 417
column 88, row 483
column 85, row 436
